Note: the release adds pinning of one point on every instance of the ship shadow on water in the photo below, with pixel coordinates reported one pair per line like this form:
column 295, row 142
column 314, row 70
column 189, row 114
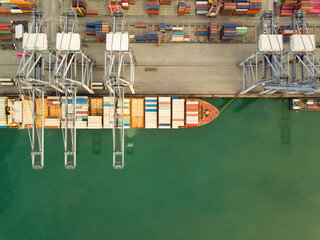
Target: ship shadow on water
column 129, row 139
column 97, row 143
column 285, row 124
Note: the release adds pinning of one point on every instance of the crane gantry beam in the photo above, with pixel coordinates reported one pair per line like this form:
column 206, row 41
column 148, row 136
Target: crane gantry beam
column 70, row 60
column 32, row 81
column 116, row 80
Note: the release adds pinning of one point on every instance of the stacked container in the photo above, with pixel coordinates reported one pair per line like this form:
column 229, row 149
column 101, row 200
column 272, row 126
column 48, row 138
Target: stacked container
column 181, row 7
column 6, row 31
column 94, row 122
column 137, row 112
column 177, row 34
column 228, row 8
column 125, row 4
column 153, row 35
column 151, row 112
column 213, row 31
column 126, row 113
column 82, row 112
column 3, row 116
column 53, row 117
column 254, row 7
column 108, row 114
column 242, row 7
column 153, row 7
column 241, row 31
column 312, row 104
column 202, row 32
column 202, row 7
column 27, row 112
column 99, row 29
column 228, row 32
column 288, row 7
column 165, row 1
column 164, row 112
column 96, row 112
column 178, row 112
column 192, row 113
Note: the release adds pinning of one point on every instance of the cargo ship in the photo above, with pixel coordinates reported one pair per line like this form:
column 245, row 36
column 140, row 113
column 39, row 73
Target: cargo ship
column 97, row 112
column 304, row 104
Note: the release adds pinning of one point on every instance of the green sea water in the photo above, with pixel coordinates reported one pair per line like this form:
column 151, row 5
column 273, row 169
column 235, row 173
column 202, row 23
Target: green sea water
column 253, row 173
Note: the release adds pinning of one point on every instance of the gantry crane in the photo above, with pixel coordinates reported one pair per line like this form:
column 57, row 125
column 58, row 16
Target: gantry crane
column 267, row 66
column 296, row 71
column 302, row 58
column 117, row 52
column 69, row 61
column 32, row 81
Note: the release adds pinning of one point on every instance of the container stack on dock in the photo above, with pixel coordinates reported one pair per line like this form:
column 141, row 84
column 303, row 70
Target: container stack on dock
column 202, row 32
column 152, row 35
column 213, row 31
column 6, row 31
column 165, row 1
column 315, row 11
column 53, row 116
column 164, row 112
column 192, row 113
column 98, row 29
column 202, row 7
column 80, row 7
column 126, row 113
column 228, row 32
column 288, row 7
column 3, row 115
column 228, row 8
column 177, row 34
column 311, row 8
column 153, row 7
column 178, row 112
column 183, row 8
column 242, row 7
column 287, row 32
column 108, row 114
column 254, row 7
column 95, row 113
column 137, row 112
column 18, row 7
column 241, row 31
column 151, row 112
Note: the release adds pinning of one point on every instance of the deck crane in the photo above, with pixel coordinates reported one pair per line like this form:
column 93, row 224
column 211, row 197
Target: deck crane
column 116, row 80
column 32, row 81
column 303, row 60
column 267, row 66
column 69, row 61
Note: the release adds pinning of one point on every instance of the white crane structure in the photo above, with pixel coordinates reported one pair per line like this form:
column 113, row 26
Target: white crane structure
column 32, row 80
column 116, row 54
column 72, row 71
